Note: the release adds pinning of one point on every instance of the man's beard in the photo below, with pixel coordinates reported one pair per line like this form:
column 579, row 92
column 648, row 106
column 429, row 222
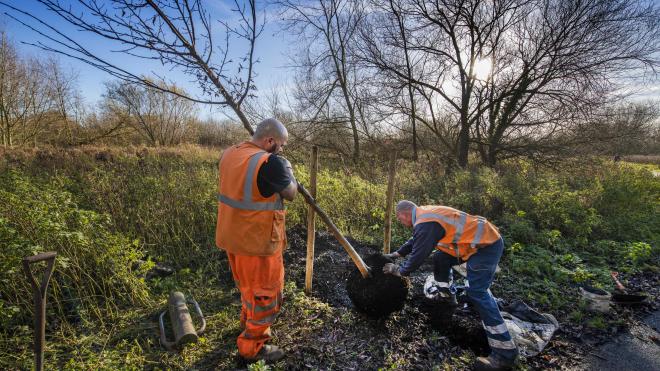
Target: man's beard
column 272, row 149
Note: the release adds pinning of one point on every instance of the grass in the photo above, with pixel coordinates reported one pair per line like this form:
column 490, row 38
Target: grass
column 113, row 213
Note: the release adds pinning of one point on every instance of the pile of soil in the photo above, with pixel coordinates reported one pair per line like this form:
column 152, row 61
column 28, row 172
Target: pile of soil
column 420, row 336
column 380, row 294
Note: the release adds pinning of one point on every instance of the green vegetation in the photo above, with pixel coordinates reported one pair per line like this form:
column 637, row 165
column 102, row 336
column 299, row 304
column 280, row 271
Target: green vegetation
column 112, row 217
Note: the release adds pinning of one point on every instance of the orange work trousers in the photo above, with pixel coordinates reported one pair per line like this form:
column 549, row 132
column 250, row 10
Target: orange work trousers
column 260, row 279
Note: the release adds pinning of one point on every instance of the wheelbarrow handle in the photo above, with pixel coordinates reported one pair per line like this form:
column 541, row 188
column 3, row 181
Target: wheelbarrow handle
column 615, row 277
column 169, row 345
column 199, row 313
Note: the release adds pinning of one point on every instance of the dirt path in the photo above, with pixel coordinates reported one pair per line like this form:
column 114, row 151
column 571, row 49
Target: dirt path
column 638, row 348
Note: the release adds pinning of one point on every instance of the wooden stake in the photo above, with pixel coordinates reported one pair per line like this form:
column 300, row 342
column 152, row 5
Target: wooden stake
column 311, row 227
column 390, row 200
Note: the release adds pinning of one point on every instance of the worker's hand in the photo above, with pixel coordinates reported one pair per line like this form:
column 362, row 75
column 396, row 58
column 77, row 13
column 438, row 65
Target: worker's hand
column 392, row 269
column 392, row 256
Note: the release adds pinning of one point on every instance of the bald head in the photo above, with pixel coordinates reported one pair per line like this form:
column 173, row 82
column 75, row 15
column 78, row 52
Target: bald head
column 405, row 206
column 270, row 128
column 271, row 135
column 404, row 212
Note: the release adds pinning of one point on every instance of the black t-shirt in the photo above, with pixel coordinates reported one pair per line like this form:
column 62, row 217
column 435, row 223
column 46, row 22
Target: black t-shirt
column 272, row 177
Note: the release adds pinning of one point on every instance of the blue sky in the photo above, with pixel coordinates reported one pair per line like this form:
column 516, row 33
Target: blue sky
column 272, row 48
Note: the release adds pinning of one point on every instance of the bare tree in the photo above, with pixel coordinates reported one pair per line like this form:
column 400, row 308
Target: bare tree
column 68, row 110
column 437, row 46
column 621, row 129
column 327, row 31
column 24, row 96
column 556, row 67
column 513, row 74
column 160, row 118
column 179, row 34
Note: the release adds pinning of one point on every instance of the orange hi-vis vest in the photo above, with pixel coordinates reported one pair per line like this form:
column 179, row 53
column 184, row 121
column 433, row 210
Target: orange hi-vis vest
column 464, row 233
column 248, row 223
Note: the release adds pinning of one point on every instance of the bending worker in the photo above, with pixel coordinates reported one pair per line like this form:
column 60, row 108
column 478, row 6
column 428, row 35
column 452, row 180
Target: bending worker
column 253, row 182
column 458, row 236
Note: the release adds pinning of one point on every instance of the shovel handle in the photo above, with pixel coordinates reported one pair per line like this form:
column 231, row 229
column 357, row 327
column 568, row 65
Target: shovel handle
column 39, row 292
column 49, row 258
column 615, row 277
column 364, row 270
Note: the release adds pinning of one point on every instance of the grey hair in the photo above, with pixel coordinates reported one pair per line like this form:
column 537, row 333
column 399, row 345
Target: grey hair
column 270, row 128
column 405, row 206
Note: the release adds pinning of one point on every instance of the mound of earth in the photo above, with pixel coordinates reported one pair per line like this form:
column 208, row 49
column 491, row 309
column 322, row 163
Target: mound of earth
column 380, row 294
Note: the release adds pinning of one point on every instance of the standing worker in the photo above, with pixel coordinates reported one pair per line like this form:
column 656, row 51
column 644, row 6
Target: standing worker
column 458, row 236
column 253, row 181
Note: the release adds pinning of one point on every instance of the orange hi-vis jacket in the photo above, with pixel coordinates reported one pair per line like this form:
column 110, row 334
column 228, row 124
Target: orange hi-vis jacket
column 464, row 233
column 248, row 223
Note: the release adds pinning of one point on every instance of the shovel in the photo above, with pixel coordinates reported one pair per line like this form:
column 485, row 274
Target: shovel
column 364, row 270
column 623, row 298
column 39, row 302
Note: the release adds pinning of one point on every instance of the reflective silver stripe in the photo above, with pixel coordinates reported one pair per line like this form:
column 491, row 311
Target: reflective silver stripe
column 444, row 244
column 264, row 321
column 249, row 176
column 265, row 308
column 247, row 305
column 277, row 205
column 460, row 227
column 247, row 203
column 499, row 344
column 480, row 232
column 438, row 217
column 496, row 330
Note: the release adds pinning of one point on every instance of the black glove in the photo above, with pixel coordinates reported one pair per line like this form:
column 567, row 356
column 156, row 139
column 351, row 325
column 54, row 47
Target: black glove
column 392, row 269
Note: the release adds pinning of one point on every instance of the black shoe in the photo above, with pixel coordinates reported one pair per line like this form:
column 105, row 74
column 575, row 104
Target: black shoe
column 269, row 353
column 492, row 363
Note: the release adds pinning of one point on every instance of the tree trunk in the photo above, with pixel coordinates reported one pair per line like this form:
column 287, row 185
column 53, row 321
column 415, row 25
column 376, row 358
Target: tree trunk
column 491, row 160
column 463, row 143
column 356, row 143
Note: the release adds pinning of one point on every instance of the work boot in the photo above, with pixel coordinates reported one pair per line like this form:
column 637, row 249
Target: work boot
column 492, row 363
column 269, row 353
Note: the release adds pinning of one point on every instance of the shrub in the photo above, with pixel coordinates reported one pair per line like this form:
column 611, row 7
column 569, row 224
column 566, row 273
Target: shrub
column 355, row 205
column 629, row 204
column 94, row 269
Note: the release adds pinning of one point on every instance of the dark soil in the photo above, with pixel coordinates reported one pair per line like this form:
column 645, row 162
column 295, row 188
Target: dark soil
column 420, row 334
column 380, row 294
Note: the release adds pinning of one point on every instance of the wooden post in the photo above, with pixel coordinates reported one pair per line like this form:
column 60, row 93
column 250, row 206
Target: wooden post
column 389, row 204
column 311, row 227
